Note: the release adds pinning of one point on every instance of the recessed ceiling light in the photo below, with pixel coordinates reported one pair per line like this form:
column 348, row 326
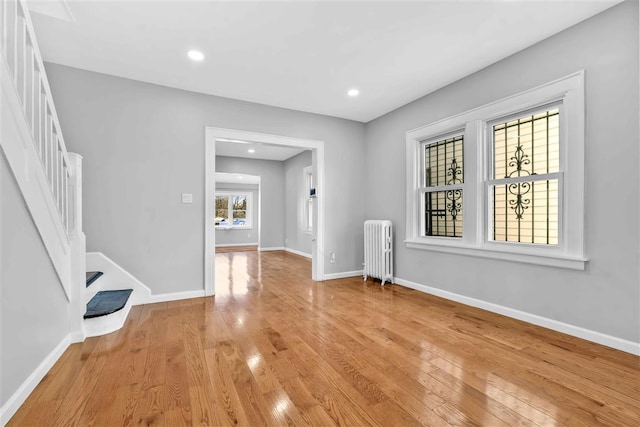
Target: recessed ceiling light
column 353, row 92
column 251, row 150
column 196, row 55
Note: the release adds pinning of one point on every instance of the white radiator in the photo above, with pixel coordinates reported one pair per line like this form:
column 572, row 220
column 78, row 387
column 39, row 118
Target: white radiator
column 378, row 250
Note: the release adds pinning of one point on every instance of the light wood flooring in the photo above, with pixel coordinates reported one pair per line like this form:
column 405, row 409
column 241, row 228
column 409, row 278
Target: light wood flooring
column 226, row 249
column 275, row 348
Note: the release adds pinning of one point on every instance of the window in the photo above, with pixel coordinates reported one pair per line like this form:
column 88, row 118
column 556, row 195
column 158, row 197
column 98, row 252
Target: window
column 442, row 180
column 307, row 175
column 233, row 210
column 524, row 182
column 505, row 180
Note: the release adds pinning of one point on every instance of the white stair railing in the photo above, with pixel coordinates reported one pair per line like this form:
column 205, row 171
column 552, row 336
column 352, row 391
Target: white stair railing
column 24, row 62
column 32, row 142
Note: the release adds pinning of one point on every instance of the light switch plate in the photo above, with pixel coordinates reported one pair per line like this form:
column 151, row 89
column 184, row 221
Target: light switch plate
column 187, row 198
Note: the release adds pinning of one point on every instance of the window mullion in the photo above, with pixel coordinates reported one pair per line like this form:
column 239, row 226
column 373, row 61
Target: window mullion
column 441, row 188
column 527, row 178
column 523, row 163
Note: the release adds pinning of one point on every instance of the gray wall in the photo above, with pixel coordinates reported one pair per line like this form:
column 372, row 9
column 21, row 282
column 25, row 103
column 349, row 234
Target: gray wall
column 605, row 297
column 236, row 236
column 33, row 306
column 294, row 200
column 271, row 185
column 143, row 145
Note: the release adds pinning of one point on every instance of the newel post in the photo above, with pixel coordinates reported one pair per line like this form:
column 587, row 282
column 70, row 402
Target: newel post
column 78, row 250
column 75, row 194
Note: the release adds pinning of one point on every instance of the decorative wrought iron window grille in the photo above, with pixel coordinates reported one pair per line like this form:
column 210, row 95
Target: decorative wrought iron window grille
column 522, row 180
column 443, row 176
column 526, row 178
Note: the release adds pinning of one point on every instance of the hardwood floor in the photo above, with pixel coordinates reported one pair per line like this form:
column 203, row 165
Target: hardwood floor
column 275, row 348
column 226, row 249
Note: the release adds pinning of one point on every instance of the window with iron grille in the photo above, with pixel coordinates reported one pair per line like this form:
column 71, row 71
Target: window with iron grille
column 443, row 176
column 525, row 179
column 514, row 168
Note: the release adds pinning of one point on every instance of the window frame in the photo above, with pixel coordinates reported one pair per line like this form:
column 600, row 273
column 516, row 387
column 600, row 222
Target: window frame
column 307, row 175
column 424, row 189
column 568, row 93
column 249, row 211
column 490, row 180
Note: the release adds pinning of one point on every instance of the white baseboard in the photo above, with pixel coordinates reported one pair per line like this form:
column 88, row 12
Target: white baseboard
column 576, row 331
column 278, row 248
column 76, row 337
column 17, row 399
column 232, row 245
column 175, row 296
column 342, row 275
column 297, row 252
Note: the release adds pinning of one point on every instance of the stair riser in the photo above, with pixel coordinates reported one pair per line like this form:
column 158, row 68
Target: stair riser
column 103, row 325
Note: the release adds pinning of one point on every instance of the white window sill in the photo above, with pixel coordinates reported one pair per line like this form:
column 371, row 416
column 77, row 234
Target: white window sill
column 232, row 227
column 550, row 260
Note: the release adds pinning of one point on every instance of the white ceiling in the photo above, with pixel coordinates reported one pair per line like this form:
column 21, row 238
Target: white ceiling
column 236, row 178
column 303, row 55
column 261, row 151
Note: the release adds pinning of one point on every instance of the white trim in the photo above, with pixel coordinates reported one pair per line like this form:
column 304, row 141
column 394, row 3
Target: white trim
column 102, row 325
column 76, row 337
column 275, row 248
column 525, row 100
column 175, row 296
column 509, row 254
column 569, row 253
column 231, row 245
column 213, row 133
column 307, row 185
column 297, row 252
column 249, row 211
column 14, row 402
column 343, row 275
column 115, row 277
column 241, row 179
column 576, row 331
column 16, row 141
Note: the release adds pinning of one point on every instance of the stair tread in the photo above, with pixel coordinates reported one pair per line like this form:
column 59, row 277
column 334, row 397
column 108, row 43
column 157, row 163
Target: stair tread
column 92, row 276
column 107, row 302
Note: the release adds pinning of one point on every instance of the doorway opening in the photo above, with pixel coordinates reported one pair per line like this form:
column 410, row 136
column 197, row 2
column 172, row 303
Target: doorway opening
column 214, row 135
column 237, row 212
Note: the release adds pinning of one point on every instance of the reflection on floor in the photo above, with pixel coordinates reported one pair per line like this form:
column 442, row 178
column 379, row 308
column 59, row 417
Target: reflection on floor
column 227, row 249
column 275, row 348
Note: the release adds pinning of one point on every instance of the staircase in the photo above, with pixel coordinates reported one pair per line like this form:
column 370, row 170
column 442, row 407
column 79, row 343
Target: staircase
column 104, row 303
column 107, row 305
column 109, row 294
column 92, row 276
column 50, row 180
column 107, row 310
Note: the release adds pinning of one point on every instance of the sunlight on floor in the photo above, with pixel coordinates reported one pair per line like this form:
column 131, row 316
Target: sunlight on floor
column 232, row 278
